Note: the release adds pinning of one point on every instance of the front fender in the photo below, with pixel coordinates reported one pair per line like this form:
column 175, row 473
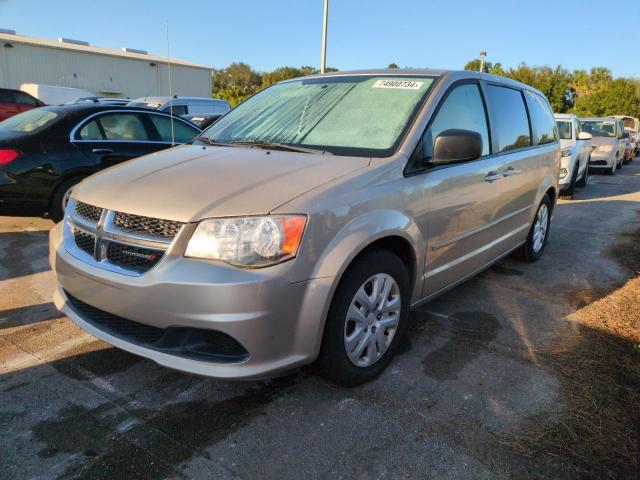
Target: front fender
column 363, row 231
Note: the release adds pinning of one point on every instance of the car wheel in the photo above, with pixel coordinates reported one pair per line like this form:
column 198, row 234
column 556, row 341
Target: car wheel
column 367, row 319
column 568, row 193
column 585, row 177
column 612, row 170
column 61, row 197
column 537, row 239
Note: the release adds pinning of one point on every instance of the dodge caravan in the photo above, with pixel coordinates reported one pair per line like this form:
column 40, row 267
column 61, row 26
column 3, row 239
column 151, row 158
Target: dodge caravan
column 308, row 221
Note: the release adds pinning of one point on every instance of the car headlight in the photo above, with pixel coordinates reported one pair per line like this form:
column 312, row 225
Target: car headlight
column 563, row 172
column 257, row 241
column 566, row 153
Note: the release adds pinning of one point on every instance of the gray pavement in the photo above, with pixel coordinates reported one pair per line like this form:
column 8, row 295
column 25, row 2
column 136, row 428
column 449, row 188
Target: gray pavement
column 471, row 369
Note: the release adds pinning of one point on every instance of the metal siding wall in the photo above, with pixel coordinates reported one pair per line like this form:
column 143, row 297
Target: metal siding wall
column 101, row 74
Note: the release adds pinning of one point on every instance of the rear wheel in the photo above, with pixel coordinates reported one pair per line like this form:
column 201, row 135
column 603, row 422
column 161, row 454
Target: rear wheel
column 537, row 239
column 61, row 197
column 367, row 319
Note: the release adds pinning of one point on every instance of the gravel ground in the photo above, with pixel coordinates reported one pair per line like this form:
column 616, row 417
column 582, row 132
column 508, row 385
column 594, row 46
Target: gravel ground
column 488, row 378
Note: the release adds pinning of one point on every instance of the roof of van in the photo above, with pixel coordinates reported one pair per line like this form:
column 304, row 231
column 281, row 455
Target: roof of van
column 425, row 73
column 563, row 116
column 598, row 119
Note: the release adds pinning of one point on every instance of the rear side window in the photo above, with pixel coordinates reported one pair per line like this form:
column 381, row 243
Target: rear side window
column 462, row 109
column 542, row 118
column 124, row 126
column 26, row 99
column 182, row 132
column 510, row 121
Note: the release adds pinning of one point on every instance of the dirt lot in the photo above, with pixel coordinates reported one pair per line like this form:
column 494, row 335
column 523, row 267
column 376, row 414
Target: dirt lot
column 526, row 371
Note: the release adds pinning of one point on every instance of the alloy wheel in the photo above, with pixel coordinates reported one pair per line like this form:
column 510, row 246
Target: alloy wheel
column 372, row 320
column 540, row 228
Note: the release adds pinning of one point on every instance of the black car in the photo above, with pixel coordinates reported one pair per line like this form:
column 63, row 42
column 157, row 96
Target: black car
column 44, row 152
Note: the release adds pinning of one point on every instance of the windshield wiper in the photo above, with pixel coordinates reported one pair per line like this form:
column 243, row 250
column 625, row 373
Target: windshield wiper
column 276, row 146
column 208, row 141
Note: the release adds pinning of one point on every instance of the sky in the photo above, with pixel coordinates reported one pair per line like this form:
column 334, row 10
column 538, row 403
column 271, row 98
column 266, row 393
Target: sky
column 266, row 34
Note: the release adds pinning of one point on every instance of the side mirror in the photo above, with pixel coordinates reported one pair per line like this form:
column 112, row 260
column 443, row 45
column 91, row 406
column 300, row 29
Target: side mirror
column 625, row 134
column 454, row 145
column 584, row 136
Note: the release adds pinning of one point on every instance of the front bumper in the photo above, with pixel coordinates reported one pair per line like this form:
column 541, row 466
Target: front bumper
column 602, row 160
column 277, row 322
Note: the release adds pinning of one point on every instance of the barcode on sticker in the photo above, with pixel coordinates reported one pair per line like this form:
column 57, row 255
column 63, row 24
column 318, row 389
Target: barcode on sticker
column 404, row 84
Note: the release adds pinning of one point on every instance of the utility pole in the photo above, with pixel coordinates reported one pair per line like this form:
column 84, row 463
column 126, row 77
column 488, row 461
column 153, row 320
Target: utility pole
column 482, row 56
column 323, row 60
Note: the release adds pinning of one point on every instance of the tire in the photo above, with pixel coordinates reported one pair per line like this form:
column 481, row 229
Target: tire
column 334, row 361
column 568, row 193
column 612, row 170
column 531, row 251
column 585, row 177
column 60, row 197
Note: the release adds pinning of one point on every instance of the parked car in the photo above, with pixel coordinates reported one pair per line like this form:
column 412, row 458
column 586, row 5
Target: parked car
column 102, row 100
column 54, row 94
column 629, row 146
column 46, row 151
column 203, row 121
column 183, row 105
column 606, row 144
column 307, row 221
column 576, row 151
column 629, row 123
column 13, row 102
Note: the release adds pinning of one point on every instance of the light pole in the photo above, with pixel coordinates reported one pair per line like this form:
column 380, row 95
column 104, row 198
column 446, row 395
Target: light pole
column 323, row 60
column 482, row 56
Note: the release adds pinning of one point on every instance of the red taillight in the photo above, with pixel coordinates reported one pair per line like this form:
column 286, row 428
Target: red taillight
column 8, row 156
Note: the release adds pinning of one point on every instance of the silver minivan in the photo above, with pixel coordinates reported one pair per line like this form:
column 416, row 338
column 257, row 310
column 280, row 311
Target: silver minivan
column 307, row 222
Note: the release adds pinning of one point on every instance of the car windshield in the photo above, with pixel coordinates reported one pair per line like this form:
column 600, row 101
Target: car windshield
column 363, row 115
column 153, row 105
column 564, row 128
column 599, row 128
column 29, row 121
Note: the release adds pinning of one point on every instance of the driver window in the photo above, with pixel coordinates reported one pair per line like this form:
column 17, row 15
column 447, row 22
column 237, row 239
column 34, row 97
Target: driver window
column 462, row 109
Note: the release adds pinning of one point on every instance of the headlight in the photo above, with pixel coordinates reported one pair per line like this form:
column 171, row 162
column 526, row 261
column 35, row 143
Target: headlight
column 248, row 241
column 566, row 153
column 563, row 172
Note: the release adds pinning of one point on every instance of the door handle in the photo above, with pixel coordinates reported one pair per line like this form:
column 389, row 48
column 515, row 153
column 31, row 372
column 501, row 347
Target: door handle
column 509, row 171
column 102, row 151
column 492, row 177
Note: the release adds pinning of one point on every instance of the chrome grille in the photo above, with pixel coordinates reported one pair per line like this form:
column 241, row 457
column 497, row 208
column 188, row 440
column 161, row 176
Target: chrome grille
column 155, row 227
column 89, row 212
column 85, row 241
column 116, row 241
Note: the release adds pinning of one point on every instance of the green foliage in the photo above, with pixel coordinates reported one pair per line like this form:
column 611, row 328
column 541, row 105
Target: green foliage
column 393, row 65
column 239, row 81
column 592, row 93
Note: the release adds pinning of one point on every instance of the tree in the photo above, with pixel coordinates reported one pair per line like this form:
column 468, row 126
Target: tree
column 393, row 65
column 236, row 82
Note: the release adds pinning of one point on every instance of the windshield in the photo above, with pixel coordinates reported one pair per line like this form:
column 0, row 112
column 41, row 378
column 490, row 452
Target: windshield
column 599, row 128
column 350, row 115
column 564, row 128
column 153, row 105
column 29, row 121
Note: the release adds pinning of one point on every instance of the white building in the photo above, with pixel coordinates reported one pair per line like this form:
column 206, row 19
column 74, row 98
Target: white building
column 103, row 71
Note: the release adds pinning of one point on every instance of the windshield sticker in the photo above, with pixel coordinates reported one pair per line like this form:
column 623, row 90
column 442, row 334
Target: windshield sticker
column 402, row 84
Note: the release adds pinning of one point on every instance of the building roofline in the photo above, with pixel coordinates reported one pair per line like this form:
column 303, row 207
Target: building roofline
column 41, row 42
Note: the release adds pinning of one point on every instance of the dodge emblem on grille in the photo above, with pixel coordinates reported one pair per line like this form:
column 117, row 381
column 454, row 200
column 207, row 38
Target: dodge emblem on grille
column 147, row 256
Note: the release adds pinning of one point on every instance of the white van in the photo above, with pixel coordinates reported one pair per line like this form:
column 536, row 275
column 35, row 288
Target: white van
column 54, row 95
column 183, row 105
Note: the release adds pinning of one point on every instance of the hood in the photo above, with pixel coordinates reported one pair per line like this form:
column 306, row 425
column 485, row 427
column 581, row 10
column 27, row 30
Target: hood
column 189, row 183
column 604, row 141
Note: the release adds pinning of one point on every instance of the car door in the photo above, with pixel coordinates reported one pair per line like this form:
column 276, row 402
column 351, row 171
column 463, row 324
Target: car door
column 583, row 147
column 462, row 198
column 112, row 137
column 8, row 105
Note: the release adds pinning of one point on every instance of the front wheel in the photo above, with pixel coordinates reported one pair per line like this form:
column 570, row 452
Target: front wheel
column 532, row 250
column 585, row 177
column 367, row 319
column 612, row 170
column 60, row 198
